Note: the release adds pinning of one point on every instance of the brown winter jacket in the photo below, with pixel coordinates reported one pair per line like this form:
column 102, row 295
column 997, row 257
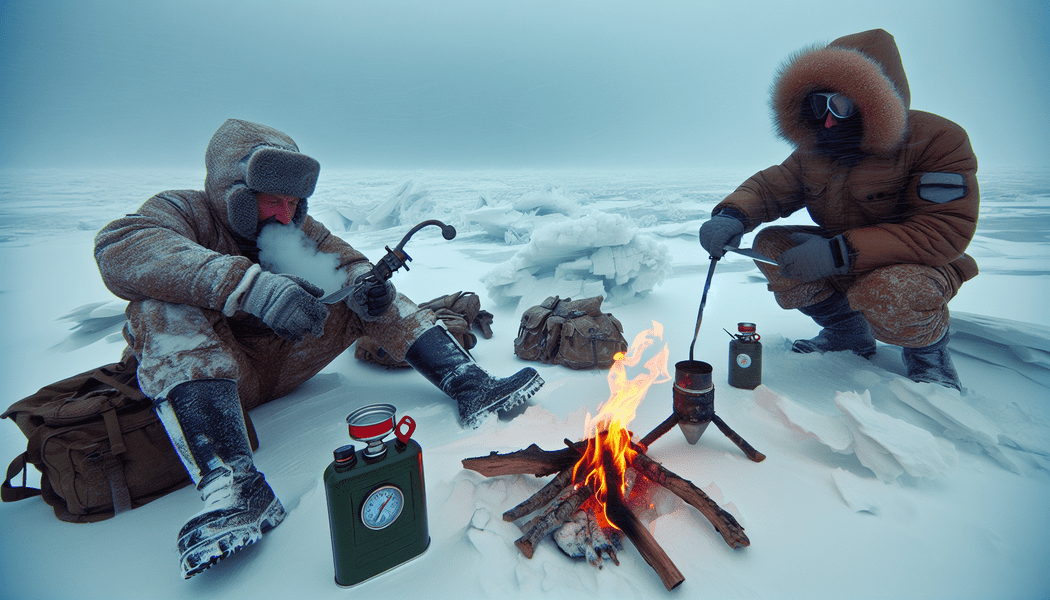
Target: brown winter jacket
column 878, row 204
column 180, row 246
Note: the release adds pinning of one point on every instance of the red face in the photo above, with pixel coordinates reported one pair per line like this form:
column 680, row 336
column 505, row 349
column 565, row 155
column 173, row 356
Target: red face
column 277, row 205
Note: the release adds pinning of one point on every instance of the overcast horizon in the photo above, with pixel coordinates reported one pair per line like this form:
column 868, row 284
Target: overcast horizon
column 474, row 84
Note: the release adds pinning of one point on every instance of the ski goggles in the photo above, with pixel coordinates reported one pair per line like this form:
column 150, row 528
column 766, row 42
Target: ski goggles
column 839, row 105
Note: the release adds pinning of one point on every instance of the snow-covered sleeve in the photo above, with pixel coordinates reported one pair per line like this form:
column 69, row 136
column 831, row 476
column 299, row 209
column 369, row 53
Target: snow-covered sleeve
column 940, row 203
column 160, row 253
column 768, row 195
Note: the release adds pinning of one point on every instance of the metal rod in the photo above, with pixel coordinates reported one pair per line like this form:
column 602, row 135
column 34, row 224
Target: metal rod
column 703, row 301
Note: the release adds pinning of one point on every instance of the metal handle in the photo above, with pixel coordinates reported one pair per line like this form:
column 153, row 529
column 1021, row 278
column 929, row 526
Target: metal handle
column 404, row 437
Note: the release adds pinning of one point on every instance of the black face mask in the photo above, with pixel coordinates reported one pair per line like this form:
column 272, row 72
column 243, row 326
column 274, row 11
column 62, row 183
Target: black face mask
column 841, row 142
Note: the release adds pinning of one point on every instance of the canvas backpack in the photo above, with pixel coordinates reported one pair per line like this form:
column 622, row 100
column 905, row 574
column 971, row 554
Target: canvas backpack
column 460, row 312
column 98, row 445
column 576, row 334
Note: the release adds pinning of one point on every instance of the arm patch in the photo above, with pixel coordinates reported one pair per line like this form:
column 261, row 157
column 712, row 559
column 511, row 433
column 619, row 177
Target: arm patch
column 942, row 187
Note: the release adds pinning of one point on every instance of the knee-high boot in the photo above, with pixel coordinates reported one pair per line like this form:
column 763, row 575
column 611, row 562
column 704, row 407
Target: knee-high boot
column 441, row 360
column 204, row 421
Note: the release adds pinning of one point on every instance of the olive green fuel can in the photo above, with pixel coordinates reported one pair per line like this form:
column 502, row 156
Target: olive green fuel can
column 377, row 508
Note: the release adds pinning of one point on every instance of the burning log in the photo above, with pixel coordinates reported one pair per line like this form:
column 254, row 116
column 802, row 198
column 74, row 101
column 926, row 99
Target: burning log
column 591, row 474
column 723, row 522
column 624, row 520
column 536, row 529
column 583, row 536
column 541, row 498
column 531, row 460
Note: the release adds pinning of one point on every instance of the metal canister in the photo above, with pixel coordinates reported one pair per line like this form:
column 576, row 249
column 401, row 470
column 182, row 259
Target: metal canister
column 745, row 358
column 693, row 397
column 376, row 497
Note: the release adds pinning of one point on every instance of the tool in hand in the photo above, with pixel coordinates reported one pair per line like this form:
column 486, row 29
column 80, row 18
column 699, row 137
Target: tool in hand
column 703, row 301
column 392, row 260
column 752, row 254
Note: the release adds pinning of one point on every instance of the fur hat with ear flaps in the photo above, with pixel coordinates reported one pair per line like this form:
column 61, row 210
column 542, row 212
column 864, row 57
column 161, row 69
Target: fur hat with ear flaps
column 864, row 66
column 246, row 158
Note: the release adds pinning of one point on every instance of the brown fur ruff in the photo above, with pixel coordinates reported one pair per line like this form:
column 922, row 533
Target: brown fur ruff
column 844, row 70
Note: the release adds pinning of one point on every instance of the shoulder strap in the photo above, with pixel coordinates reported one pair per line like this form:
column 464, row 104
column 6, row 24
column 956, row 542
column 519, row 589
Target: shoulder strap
column 9, row 493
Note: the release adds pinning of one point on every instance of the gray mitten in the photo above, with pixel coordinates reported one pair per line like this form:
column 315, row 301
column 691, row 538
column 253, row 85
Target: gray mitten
column 286, row 303
column 315, row 291
column 815, row 257
column 720, row 231
column 371, row 297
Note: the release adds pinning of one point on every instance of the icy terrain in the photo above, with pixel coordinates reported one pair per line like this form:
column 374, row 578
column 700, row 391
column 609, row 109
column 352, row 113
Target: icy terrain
column 874, row 486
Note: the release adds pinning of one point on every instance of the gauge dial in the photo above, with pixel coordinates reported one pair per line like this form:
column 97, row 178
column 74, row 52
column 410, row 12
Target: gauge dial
column 382, row 507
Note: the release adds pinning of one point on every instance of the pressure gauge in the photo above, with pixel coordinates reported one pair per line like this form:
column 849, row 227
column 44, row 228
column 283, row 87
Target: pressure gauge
column 382, row 507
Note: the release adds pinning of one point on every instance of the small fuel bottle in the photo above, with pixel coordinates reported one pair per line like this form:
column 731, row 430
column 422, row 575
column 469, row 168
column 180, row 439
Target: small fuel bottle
column 377, row 505
column 745, row 358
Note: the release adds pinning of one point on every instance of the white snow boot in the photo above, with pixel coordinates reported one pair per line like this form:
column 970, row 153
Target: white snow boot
column 204, row 421
column 932, row 364
column 843, row 328
column 441, row 360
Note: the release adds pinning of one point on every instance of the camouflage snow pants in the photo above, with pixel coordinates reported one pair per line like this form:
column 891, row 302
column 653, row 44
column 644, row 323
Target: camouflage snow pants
column 175, row 343
column 906, row 305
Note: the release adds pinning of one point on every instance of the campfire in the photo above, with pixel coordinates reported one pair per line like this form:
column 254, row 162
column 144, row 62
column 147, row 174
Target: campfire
column 592, row 477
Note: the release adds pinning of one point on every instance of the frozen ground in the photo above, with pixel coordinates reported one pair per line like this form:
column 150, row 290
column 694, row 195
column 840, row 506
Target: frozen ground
column 874, row 486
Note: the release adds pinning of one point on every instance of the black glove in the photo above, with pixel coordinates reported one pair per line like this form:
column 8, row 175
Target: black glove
column 815, row 257
column 371, row 297
column 720, row 231
column 288, row 304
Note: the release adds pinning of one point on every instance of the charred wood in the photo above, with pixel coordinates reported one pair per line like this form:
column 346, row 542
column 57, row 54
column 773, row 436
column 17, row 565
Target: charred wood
column 723, row 521
column 537, row 528
column 622, row 517
column 532, row 460
column 541, row 498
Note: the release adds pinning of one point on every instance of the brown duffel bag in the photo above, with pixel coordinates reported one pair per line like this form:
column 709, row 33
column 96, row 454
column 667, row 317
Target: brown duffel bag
column 98, row 445
column 460, row 312
column 574, row 333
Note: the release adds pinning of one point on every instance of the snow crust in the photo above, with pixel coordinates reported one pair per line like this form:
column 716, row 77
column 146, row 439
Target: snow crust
column 874, row 486
column 597, row 254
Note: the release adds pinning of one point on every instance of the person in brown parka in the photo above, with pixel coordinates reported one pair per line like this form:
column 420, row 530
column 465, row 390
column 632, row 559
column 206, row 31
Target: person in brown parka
column 217, row 331
column 894, row 196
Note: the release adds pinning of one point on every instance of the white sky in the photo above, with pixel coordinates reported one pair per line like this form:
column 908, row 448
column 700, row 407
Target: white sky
column 486, row 83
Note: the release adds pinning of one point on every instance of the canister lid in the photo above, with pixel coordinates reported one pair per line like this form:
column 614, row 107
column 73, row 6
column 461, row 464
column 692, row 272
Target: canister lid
column 746, row 327
column 344, row 454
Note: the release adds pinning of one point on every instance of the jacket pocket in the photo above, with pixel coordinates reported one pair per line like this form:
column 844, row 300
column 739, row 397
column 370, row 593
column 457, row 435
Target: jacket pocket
column 877, row 201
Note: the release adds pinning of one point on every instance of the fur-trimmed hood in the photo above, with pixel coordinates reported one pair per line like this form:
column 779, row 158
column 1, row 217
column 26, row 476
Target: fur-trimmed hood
column 244, row 158
column 866, row 67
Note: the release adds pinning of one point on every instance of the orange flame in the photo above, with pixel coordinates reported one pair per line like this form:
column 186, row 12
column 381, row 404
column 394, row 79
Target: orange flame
column 607, row 433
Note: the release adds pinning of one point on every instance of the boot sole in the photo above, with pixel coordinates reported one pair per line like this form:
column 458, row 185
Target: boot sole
column 507, row 402
column 205, row 554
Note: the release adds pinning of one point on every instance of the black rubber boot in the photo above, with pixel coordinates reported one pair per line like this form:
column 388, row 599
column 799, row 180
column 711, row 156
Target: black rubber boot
column 932, row 364
column 441, row 360
column 204, row 421
column 843, row 328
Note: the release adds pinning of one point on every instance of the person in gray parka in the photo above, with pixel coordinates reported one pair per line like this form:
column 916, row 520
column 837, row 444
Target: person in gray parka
column 216, row 333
